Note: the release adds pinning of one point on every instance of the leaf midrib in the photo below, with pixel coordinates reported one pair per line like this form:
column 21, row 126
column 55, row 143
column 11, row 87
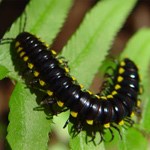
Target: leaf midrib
column 43, row 15
column 100, row 27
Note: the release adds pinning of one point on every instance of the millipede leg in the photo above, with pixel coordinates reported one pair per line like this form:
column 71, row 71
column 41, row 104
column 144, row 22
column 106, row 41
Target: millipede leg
column 129, row 122
column 34, row 82
column 27, row 72
column 127, row 125
column 48, row 100
column 64, row 62
column 31, row 81
column 102, row 137
column 93, row 136
column 6, row 41
column 112, row 134
column 107, row 75
column 66, row 123
column 105, row 88
column 117, row 129
column 79, row 127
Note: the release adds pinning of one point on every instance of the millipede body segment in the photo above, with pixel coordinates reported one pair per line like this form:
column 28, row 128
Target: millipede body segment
column 113, row 108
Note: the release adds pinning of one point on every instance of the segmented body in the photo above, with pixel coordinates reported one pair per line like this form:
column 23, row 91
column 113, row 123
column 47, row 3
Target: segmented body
column 85, row 107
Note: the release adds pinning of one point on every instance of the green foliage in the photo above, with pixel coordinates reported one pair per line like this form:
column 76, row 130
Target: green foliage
column 94, row 37
column 27, row 129
column 4, row 72
column 85, row 51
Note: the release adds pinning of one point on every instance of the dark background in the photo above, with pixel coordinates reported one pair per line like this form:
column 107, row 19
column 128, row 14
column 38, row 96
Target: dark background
column 11, row 9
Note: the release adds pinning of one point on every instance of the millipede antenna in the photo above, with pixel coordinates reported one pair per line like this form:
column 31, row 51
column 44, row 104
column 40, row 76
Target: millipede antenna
column 25, row 20
column 23, row 25
column 6, row 41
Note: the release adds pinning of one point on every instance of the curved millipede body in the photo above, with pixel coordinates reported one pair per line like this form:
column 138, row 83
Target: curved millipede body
column 86, row 109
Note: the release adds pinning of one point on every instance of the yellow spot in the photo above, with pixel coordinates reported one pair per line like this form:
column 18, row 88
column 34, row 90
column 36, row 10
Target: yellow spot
column 138, row 103
column 30, row 65
column 60, row 61
column 97, row 96
column 17, row 44
column 50, row 93
column 119, row 79
column 19, row 49
column 38, row 38
column 47, row 45
column 42, row 83
column 81, row 86
column 25, row 58
column 107, row 125
column 53, row 52
column 103, row 97
column 121, row 123
column 36, row 74
column 74, row 114
column 109, row 96
column 121, row 70
column 122, row 63
column 22, row 53
column 89, row 122
column 140, row 77
column 114, row 92
column 117, row 86
column 89, row 92
column 41, row 40
column 60, row 104
column 132, row 114
column 73, row 78
column 66, row 69
column 140, row 90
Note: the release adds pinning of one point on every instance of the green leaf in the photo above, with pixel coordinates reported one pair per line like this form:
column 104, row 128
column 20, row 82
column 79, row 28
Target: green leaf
column 88, row 47
column 44, row 19
column 3, row 72
column 60, row 120
column 134, row 140
column 137, row 49
column 62, row 134
column 28, row 128
column 58, row 146
column 145, row 120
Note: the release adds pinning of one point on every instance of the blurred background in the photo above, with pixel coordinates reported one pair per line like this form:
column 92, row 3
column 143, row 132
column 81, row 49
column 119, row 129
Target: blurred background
column 11, row 9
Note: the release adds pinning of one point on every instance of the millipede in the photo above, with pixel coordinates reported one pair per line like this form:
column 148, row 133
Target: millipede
column 108, row 109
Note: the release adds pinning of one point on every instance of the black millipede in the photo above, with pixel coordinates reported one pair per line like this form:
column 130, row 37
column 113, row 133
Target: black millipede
column 105, row 111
